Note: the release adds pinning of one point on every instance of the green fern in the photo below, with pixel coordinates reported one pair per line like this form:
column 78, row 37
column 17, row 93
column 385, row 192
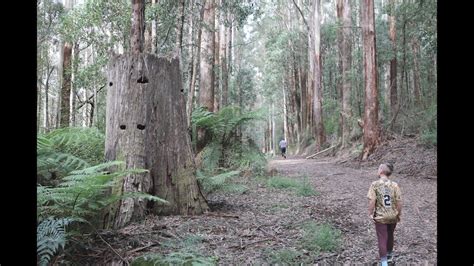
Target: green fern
column 85, row 143
column 50, row 237
column 82, row 192
column 217, row 182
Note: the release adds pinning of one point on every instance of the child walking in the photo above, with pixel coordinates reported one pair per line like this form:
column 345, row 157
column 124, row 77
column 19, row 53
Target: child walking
column 385, row 209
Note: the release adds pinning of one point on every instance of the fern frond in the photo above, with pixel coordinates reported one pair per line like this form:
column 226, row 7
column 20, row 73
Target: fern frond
column 213, row 183
column 50, row 237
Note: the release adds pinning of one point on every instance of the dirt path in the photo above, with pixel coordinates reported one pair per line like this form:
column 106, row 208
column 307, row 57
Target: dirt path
column 343, row 192
column 249, row 228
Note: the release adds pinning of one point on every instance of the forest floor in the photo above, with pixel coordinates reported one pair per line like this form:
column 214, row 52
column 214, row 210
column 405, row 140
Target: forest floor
column 264, row 224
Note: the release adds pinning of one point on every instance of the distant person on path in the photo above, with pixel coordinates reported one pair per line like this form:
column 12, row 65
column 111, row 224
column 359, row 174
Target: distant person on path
column 283, row 147
column 385, row 209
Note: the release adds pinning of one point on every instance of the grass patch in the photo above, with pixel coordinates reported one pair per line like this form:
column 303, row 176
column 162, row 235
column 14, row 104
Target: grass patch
column 284, row 256
column 175, row 258
column 305, row 189
column 320, row 237
column 302, row 188
column 187, row 253
column 282, row 182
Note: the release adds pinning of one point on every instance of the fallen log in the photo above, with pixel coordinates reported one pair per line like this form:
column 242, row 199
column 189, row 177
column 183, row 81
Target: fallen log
column 311, row 156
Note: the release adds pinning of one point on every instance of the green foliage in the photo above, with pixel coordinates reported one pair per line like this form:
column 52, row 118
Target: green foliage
column 224, row 122
column 81, row 197
column 429, row 138
column 50, row 237
column 187, row 254
column 283, row 182
column 85, row 143
column 302, row 188
column 82, row 193
column 246, row 157
column 305, row 190
column 429, row 126
column 320, row 237
column 241, row 9
column 331, row 108
column 175, row 258
column 226, row 150
column 217, row 182
column 284, row 256
column 64, row 150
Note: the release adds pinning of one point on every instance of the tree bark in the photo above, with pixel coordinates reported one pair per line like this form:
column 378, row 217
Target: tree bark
column 371, row 127
column 206, row 84
column 138, row 26
column 192, row 83
column 146, row 128
column 416, row 72
column 66, row 85
column 216, row 67
column 310, row 83
column 346, row 65
column 223, row 63
column 206, row 79
column 318, row 95
column 180, row 26
column 154, row 40
column 393, row 61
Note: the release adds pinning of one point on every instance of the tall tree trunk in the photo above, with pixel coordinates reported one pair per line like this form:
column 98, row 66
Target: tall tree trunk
column 416, row 72
column 154, row 40
column 47, row 119
column 346, row 64
column 66, row 85
column 285, row 114
column 39, row 100
column 318, row 95
column 75, row 63
column 192, row 83
column 138, row 26
column 180, row 26
column 393, row 60
column 206, row 78
column 206, row 83
column 223, row 61
column 371, row 127
column 216, row 68
column 310, row 82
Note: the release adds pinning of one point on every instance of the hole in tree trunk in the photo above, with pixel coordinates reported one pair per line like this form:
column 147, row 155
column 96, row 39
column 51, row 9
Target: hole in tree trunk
column 141, row 127
column 142, row 79
column 110, row 83
column 123, row 127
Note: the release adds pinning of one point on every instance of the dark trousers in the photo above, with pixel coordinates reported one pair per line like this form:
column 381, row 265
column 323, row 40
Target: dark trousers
column 385, row 237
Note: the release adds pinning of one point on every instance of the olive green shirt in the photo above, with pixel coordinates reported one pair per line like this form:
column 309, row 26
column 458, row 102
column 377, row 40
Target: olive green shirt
column 386, row 194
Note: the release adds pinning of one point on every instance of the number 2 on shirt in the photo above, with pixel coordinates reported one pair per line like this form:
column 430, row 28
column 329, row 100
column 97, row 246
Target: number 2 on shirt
column 386, row 200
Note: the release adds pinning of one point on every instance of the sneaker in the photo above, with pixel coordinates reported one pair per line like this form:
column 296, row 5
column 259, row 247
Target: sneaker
column 390, row 257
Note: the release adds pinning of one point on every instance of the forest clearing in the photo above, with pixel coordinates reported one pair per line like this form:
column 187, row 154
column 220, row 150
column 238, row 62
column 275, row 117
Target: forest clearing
column 247, row 132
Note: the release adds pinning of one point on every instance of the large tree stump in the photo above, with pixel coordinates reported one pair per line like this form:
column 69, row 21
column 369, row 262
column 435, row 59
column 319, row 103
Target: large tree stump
column 146, row 128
